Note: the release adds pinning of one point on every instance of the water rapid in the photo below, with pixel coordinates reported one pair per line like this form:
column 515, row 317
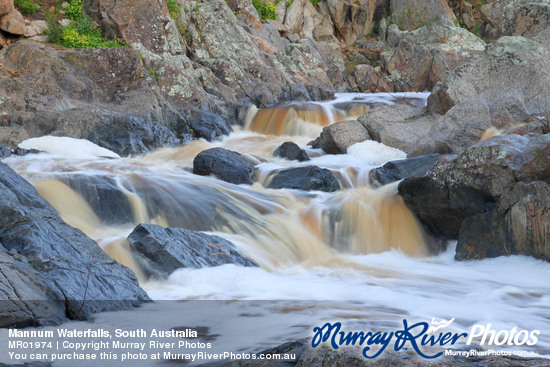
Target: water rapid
column 360, row 249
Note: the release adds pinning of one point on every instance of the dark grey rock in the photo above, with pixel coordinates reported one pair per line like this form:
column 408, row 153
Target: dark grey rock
column 305, row 178
column 207, row 125
column 68, row 266
column 291, row 151
column 168, row 249
column 130, row 135
column 472, row 183
column 5, row 152
column 105, row 197
column 398, row 170
column 517, row 226
column 225, row 164
column 22, row 151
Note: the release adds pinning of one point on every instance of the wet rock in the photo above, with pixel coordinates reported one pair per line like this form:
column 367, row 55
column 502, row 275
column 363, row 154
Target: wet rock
column 131, row 135
column 27, row 295
column 225, row 164
column 291, row 151
column 13, row 23
column 338, row 137
column 22, row 151
column 517, row 226
column 412, row 14
column 398, row 170
column 68, row 267
column 104, row 196
column 5, row 7
column 474, row 181
column 5, row 152
column 306, row 178
column 206, row 125
column 169, row 249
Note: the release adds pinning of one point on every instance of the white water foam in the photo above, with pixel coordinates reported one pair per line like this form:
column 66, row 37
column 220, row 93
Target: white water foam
column 67, row 147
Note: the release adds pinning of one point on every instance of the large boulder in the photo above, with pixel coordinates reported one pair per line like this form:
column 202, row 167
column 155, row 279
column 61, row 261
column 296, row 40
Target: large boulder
column 338, row 137
column 400, row 126
column 104, row 95
column 5, row 7
column 510, row 78
column 13, row 23
column 226, row 165
column 474, row 181
column 306, row 178
column 291, row 151
column 45, row 259
column 519, row 225
column 532, row 19
column 169, row 249
column 418, row 59
column 513, row 18
column 412, row 14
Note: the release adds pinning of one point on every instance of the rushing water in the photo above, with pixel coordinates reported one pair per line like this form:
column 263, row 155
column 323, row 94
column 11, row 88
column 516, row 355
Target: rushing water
column 356, row 255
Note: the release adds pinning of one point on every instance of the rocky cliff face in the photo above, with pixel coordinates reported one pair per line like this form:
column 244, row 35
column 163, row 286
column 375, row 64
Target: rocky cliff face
column 194, row 71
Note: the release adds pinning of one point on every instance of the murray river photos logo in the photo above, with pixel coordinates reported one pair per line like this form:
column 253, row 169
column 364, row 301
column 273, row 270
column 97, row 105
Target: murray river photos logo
column 418, row 336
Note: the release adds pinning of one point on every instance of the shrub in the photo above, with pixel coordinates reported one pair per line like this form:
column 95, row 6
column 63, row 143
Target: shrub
column 74, row 10
column 79, row 34
column 26, row 6
column 173, row 8
column 315, row 1
column 265, row 10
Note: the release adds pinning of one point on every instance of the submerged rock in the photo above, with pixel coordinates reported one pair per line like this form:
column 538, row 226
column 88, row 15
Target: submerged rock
column 291, row 151
column 519, row 225
column 398, row 170
column 474, row 181
column 338, row 137
column 225, row 164
column 47, row 260
column 104, row 196
column 168, row 249
column 306, row 178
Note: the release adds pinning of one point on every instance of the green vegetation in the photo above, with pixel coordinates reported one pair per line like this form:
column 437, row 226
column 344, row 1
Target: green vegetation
column 173, row 8
column 74, row 10
column 315, row 1
column 26, row 6
column 480, row 3
column 288, row 3
column 265, row 9
column 80, row 33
